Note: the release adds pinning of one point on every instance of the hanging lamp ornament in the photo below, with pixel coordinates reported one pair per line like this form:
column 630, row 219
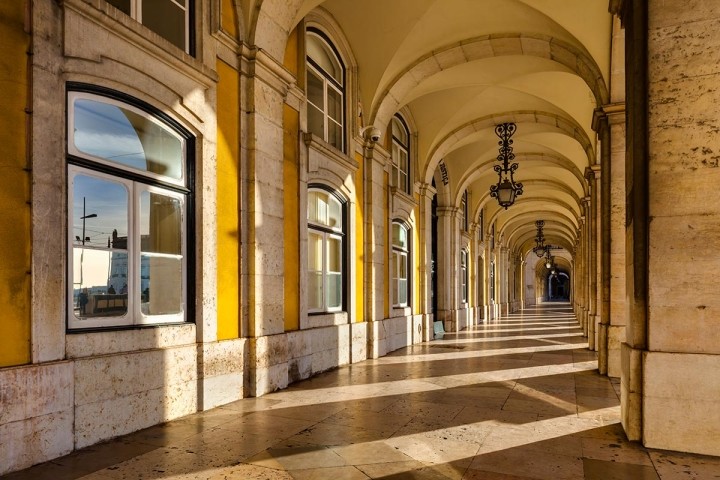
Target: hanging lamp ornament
column 506, row 190
column 539, row 248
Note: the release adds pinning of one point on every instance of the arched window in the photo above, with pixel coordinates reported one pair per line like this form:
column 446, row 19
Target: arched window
column 463, row 276
column 400, row 155
column 326, row 237
column 325, row 90
column 400, row 264
column 128, row 204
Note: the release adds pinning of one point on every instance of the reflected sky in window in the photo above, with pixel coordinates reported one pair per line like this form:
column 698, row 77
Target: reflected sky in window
column 127, row 138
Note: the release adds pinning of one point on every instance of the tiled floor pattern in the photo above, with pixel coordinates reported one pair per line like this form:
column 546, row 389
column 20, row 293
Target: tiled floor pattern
column 516, row 399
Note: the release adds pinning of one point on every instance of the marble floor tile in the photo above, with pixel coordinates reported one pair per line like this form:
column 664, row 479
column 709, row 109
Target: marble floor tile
column 515, row 399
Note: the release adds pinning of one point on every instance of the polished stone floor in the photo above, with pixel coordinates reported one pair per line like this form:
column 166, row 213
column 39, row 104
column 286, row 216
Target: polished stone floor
column 515, row 399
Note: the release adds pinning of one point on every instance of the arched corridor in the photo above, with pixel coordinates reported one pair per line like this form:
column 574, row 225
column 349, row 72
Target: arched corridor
column 217, row 203
column 518, row 398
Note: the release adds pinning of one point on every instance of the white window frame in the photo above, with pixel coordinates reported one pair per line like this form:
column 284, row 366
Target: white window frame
column 327, row 234
column 329, row 83
column 136, row 184
column 136, row 14
column 397, row 171
column 399, row 252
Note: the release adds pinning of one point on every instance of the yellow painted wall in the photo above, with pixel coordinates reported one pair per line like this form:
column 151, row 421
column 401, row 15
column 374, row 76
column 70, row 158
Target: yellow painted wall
column 15, row 230
column 228, row 206
column 359, row 242
column 291, row 179
column 229, row 19
column 292, row 59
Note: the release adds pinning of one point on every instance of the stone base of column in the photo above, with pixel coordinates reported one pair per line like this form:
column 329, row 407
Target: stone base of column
column 616, row 337
column 428, row 331
column 631, row 393
column 681, row 406
column 268, row 369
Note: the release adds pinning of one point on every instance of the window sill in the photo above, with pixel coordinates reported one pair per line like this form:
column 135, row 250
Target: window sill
column 319, row 149
column 322, row 319
column 131, row 31
column 111, row 340
column 401, row 311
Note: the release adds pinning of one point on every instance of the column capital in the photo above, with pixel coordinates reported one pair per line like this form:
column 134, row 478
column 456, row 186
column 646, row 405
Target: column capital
column 427, row 190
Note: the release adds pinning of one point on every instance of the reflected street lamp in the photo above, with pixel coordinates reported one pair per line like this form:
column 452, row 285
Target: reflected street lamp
column 83, row 218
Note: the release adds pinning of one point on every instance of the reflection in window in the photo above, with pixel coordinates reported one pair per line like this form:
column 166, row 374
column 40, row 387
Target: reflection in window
column 325, row 90
column 168, row 18
column 124, row 136
column 400, row 155
column 325, row 252
column 400, row 252
column 129, row 197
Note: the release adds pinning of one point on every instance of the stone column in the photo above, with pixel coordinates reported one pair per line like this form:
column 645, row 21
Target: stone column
column 267, row 83
column 445, row 266
column 375, row 236
column 617, row 306
column 503, row 280
column 427, row 192
column 593, row 174
column 634, row 14
column 601, row 127
column 587, row 259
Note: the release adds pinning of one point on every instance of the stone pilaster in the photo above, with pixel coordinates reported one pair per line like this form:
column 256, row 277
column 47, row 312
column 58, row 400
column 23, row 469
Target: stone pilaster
column 427, row 192
column 266, row 86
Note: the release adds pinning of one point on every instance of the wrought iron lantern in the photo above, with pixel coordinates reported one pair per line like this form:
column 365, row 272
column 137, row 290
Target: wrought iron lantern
column 549, row 260
column 539, row 247
column 506, row 189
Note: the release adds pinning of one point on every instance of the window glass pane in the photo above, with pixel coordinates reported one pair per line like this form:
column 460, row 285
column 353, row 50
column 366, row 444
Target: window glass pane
column 394, row 177
column 399, row 236
column 100, row 267
column 165, row 18
column 99, row 212
column 122, row 5
column 403, row 160
column 335, row 135
column 315, row 90
column 402, row 288
column 402, row 267
column 315, row 290
column 160, row 223
column 399, row 132
column 323, row 55
column 318, row 207
column 161, row 284
column 93, row 292
column 127, row 138
column 316, row 122
column 334, row 213
column 334, row 290
column 315, row 252
column 334, row 105
column 334, row 262
column 395, row 294
column 403, row 181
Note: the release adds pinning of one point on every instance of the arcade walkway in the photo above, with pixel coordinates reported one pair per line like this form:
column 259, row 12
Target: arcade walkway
column 517, row 399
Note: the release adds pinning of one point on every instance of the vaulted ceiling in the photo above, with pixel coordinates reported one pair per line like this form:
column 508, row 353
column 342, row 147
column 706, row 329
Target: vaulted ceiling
column 459, row 67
